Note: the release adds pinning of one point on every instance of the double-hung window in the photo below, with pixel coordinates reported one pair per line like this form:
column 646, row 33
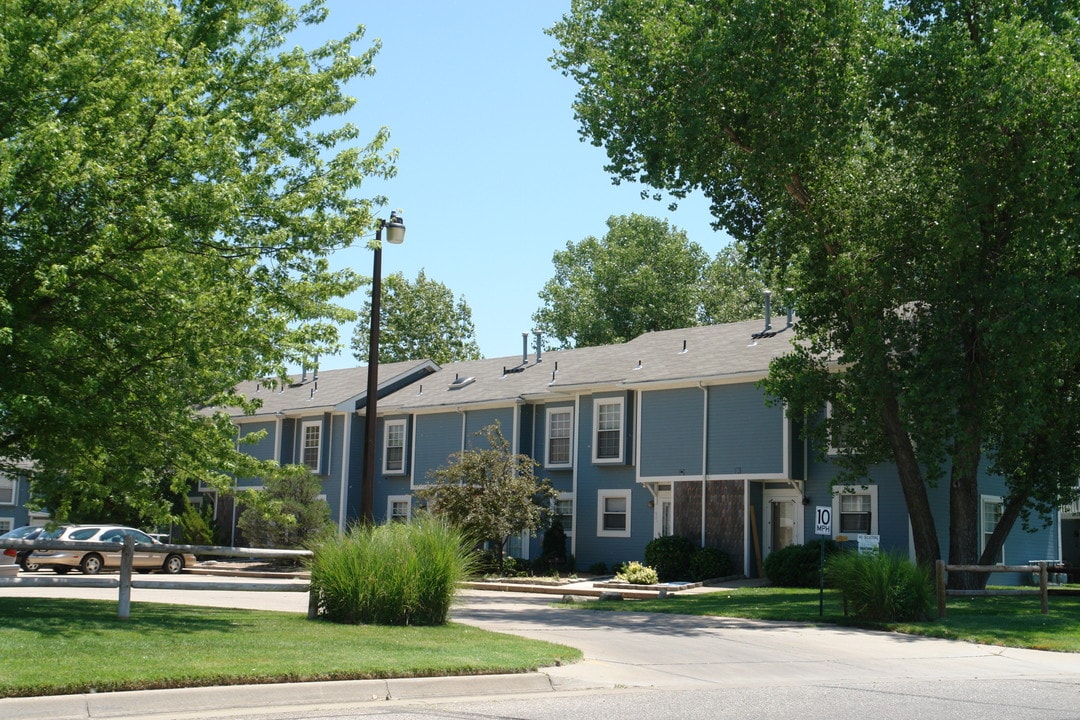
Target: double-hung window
column 613, row 513
column 564, row 511
column 608, row 429
column 989, row 515
column 855, row 510
column 398, row 508
column 8, row 487
column 560, row 427
column 311, row 449
column 394, row 447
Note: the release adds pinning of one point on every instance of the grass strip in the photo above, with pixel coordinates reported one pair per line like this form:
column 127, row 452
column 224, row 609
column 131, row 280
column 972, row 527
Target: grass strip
column 1009, row 620
column 63, row 646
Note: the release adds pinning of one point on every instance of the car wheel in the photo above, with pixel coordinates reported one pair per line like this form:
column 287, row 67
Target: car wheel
column 29, row 565
column 91, row 564
column 173, row 564
column 61, row 570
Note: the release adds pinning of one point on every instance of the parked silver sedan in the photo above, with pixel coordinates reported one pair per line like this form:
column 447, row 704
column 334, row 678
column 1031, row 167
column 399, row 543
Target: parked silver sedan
column 91, row 562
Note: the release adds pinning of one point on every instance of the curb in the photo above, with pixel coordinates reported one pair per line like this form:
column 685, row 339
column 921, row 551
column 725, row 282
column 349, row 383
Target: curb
column 169, row 703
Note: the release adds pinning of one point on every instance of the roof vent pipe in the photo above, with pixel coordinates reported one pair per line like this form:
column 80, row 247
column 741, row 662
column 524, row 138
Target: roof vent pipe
column 524, row 348
column 303, row 372
column 768, row 310
column 790, row 314
column 315, row 369
column 539, row 336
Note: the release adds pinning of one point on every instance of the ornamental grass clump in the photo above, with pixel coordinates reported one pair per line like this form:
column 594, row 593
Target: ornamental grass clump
column 881, row 586
column 395, row 574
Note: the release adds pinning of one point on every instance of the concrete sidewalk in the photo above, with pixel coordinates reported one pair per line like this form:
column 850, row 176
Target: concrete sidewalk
column 621, row 650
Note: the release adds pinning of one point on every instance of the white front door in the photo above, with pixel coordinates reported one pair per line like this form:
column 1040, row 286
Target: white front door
column 783, row 520
column 662, row 523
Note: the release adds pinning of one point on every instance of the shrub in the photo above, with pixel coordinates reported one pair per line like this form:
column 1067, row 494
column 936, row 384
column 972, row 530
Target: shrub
column 798, row 565
column 638, row 574
column 670, row 555
column 882, row 587
column 396, row 574
column 553, row 555
column 598, row 568
column 708, row 563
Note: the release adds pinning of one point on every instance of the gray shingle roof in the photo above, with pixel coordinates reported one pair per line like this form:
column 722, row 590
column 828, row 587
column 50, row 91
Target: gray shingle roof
column 342, row 390
column 712, row 353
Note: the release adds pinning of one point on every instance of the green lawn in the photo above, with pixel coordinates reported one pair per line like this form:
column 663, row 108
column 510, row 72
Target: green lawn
column 59, row 646
column 1012, row 620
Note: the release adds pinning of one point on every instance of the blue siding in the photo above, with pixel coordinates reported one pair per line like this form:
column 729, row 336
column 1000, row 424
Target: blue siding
column 437, row 438
column 561, row 478
column 261, row 449
column 746, row 436
column 477, row 420
column 672, row 423
column 592, row 549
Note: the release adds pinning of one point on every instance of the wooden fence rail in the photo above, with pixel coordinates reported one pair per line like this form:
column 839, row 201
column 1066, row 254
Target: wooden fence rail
column 941, row 571
column 125, row 582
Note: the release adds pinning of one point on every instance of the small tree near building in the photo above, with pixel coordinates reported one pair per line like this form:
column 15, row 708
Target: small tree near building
column 490, row 492
column 287, row 512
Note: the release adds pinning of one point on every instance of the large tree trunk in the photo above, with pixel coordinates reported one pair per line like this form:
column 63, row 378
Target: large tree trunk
column 964, row 506
column 923, row 530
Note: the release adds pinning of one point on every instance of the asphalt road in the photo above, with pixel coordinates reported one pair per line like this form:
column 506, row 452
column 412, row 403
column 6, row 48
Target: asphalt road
column 636, row 665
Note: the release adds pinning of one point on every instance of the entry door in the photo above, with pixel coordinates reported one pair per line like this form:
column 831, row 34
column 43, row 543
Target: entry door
column 783, row 520
column 662, row 514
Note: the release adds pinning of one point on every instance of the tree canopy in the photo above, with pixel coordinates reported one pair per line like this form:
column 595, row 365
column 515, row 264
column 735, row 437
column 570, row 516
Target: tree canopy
column 489, row 492
column 171, row 187
column 419, row 320
column 643, row 275
column 911, row 169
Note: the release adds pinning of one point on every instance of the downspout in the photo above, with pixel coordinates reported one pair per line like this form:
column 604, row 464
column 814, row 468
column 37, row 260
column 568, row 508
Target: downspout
column 345, row 447
column 574, row 473
column 704, row 455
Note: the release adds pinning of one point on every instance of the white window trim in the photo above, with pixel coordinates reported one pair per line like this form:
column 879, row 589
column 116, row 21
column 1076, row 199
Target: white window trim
column 573, row 511
column 386, row 446
column 833, row 449
column 601, row 496
column 597, row 402
column 871, row 490
column 390, row 500
column 983, row 530
column 303, row 444
column 551, row 412
column 10, row 524
column 5, row 479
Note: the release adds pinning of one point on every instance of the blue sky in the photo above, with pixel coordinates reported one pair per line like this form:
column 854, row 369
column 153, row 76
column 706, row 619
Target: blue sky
column 492, row 176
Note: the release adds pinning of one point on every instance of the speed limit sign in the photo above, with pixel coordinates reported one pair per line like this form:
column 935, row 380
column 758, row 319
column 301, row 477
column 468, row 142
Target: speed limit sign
column 824, row 520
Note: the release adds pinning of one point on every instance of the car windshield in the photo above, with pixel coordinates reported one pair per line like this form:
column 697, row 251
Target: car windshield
column 18, row 533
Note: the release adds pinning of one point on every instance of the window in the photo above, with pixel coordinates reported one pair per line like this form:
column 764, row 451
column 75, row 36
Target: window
column 855, row 514
column 990, row 514
column 394, row 447
column 7, row 490
column 608, row 424
column 855, row 510
column 837, row 431
column 613, row 513
column 559, row 428
column 398, row 508
column 564, row 511
column 6, row 525
column 311, row 452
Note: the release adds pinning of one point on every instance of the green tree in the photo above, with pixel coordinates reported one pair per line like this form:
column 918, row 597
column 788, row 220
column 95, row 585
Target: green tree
column 489, row 492
column 287, row 512
column 170, row 192
column 732, row 287
column 910, row 169
column 643, row 275
column 419, row 320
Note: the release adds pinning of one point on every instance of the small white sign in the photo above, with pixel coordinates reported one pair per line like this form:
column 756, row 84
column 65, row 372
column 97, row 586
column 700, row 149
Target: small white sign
column 824, row 520
column 868, row 543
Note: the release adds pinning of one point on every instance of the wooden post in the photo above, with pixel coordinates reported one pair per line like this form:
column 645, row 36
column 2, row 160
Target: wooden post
column 1043, row 591
column 127, row 556
column 940, row 581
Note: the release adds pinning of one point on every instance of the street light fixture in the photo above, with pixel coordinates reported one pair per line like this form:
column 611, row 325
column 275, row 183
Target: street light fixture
column 395, row 234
